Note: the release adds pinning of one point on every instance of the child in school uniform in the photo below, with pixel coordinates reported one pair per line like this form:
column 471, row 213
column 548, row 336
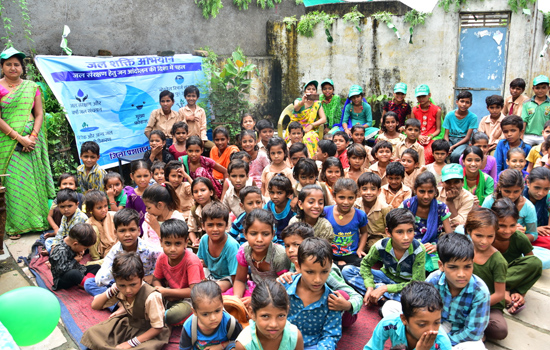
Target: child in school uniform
column 459, row 125
column 310, row 209
column 101, row 221
column 306, row 173
column 512, row 128
column 265, row 133
column 139, row 322
column 195, row 116
column 371, row 203
column 440, row 151
column 295, row 133
column 280, row 193
column 410, row 160
column 277, row 153
column 412, row 130
column 250, row 199
column 382, row 151
column 394, row 192
column 356, row 157
column 177, row 271
column 217, row 249
column 452, row 193
column 238, row 178
column 514, row 103
column 389, row 127
column 325, row 149
column 89, row 175
column 54, row 215
column 536, row 111
column 490, row 124
column 163, row 119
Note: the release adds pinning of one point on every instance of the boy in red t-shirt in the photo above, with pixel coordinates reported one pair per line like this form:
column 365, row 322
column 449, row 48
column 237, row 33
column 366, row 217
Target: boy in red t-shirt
column 177, row 271
column 429, row 116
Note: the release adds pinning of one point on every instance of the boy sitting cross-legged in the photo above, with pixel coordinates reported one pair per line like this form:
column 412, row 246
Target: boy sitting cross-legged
column 402, row 256
column 217, row 249
column 466, row 298
column 418, row 326
column 309, row 296
column 176, row 271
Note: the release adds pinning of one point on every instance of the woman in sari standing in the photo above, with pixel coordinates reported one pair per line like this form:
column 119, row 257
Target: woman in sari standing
column 310, row 114
column 23, row 149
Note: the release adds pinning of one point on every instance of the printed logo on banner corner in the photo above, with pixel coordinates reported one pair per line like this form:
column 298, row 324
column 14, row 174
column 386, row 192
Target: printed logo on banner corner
column 135, row 109
column 179, row 79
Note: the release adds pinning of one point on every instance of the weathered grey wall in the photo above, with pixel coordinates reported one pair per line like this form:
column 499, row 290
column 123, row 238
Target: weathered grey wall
column 376, row 60
column 142, row 27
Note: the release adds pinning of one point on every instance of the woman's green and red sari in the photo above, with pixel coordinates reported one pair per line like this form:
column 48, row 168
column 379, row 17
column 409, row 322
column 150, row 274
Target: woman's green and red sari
column 30, row 183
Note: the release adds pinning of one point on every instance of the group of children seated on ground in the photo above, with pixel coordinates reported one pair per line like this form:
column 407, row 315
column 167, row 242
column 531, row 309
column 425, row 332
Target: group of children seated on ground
column 299, row 242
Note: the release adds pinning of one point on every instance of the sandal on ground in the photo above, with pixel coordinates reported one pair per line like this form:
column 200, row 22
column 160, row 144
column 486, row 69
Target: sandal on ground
column 14, row 237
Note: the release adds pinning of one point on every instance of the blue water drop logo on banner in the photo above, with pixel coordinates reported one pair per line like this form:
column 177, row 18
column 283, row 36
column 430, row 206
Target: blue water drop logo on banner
column 86, row 128
column 81, row 96
column 179, row 79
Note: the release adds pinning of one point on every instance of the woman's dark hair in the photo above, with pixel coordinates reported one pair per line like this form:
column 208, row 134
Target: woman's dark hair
column 426, row 178
column 205, row 290
column 261, row 215
column 276, row 141
column 66, row 176
column 303, row 194
column 252, row 134
column 215, row 210
column 238, row 164
column 420, row 295
column 411, row 152
column 385, row 117
column 21, row 61
column 207, row 183
column 539, row 173
column 191, row 89
column 455, row 247
column 159, row 133
column 514, row 150
column 162, row 193
column 174, row 228
column 194, row 140
column 316, row 247
column 112, row 175
column 67, row 194
column 306, row 167
column 472, row 149
column 125, row 216
column 356, row 150
column 179, row 125
column 127, row 265
column 220, row 130
column 344, row 184
column 165, row 93
column 480, row 217
column 269, row 292
column 84, row 234
column 478, row 136
column 330, row 162
column 398, row 217
column 297, row 148
column 301, row 229
column 504, row 208
column 91, row 198
column 139, row 164
column 281, row 182
column 508, row 178
column 379, row 145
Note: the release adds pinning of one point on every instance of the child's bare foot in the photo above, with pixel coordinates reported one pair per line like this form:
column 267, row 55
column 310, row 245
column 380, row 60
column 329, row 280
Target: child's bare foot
column 517, row 304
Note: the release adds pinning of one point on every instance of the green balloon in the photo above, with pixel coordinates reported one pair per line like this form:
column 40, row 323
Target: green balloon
column 30, row 314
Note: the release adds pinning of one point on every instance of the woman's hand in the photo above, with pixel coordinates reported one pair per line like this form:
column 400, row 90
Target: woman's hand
column 308, row 128
column 27, row 142
column 348, row 131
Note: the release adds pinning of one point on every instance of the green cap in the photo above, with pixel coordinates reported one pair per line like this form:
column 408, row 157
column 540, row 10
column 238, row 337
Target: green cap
column 327, row 81
column 541, row 79
column 355, row 90
column 421, row 90
column 400, row 87
column 314, row 82
column 452, row 171
column 9, row 52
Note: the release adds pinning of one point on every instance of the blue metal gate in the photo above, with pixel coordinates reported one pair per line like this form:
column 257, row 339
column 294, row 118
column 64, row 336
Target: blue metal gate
column 481, row 64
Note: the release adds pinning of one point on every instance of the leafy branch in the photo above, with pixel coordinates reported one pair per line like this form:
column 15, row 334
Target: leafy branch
column 354, row 17
column 516, row 5
column 268, row 3
column 415, row 18
column 546, row 23
column 386, row 17
column 242, row 4
column 446, row 4
column 210, row 8
column 307, row 23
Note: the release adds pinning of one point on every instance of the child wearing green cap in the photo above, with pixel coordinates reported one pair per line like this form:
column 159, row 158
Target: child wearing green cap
column 358, row 112
column 429, row 116
column 398, row 105
column 458, row 200
column 536, row 111
column 331, row 104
